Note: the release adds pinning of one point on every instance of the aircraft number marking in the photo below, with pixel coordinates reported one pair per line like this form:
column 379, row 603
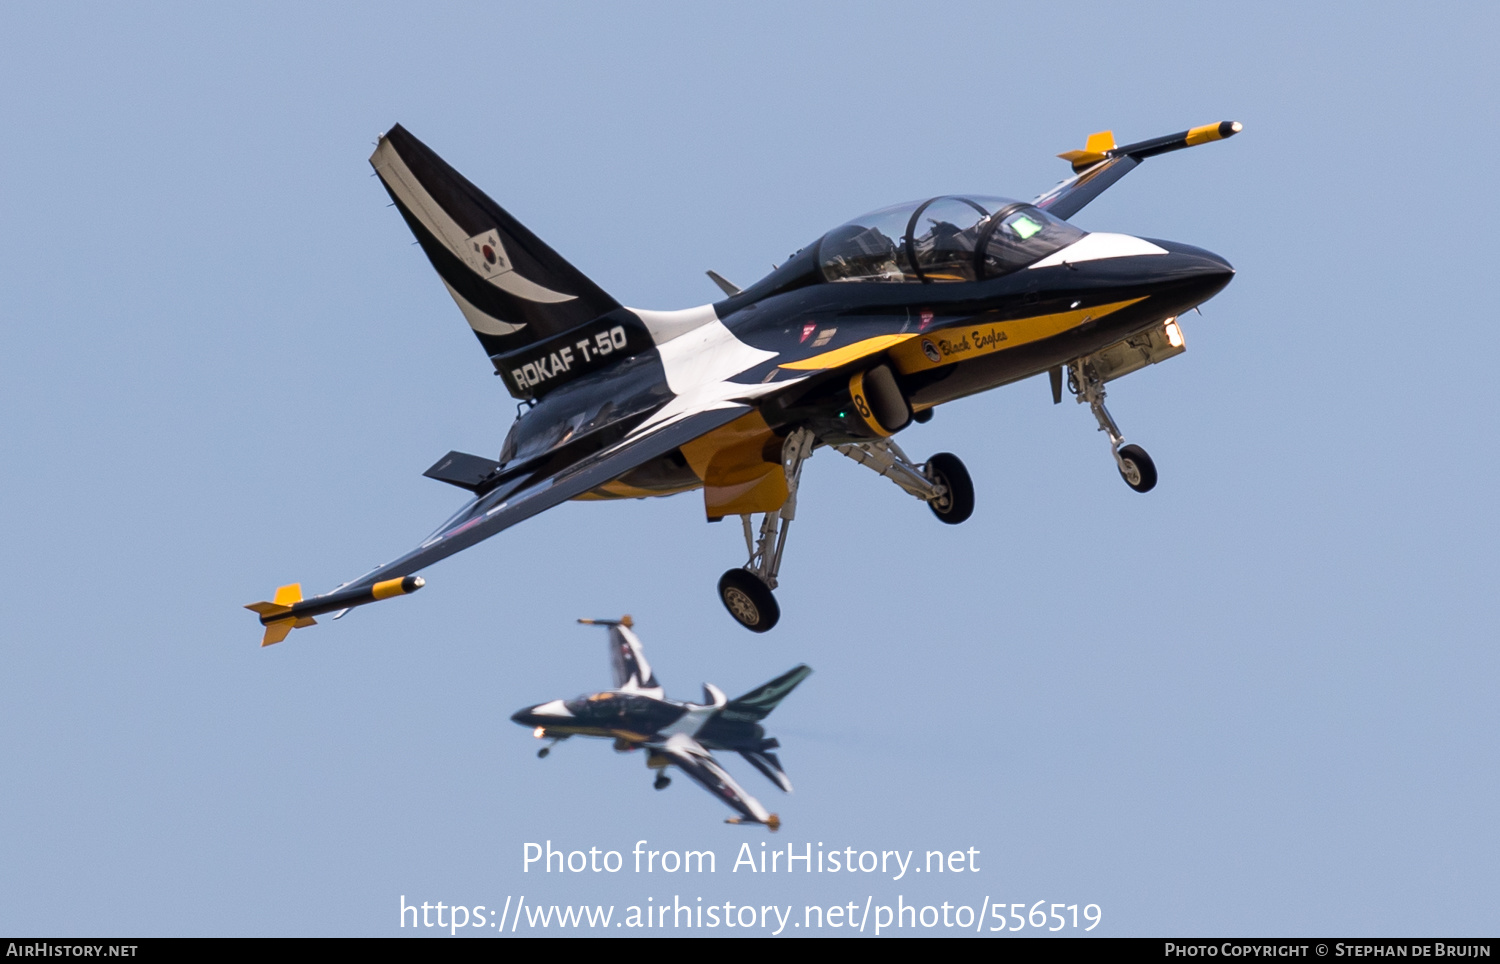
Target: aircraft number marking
column 862, row 406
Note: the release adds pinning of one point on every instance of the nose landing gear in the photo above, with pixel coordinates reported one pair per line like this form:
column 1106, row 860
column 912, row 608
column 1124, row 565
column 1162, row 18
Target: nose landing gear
column 1135, row 466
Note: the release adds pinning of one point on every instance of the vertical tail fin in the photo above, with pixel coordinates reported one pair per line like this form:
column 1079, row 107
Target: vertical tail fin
column 512, row 288
column 627, row 657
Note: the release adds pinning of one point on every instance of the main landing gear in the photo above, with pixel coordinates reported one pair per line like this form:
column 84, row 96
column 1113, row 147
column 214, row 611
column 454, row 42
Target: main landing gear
column 1135, row 466
column 942, row 482
column 746, row 592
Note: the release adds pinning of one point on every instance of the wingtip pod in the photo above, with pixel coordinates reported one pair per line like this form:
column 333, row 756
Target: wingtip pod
column 1213, row 132
column 1101, row 145
column 624, row 620
column 287, row 610
column 773, row 821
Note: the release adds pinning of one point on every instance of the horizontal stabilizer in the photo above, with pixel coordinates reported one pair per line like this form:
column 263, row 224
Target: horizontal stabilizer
column 769, row 766
column 464, row 470
column 728, row 287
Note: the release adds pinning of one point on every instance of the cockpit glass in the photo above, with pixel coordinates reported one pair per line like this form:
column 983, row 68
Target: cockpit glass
column 596, row 706
column 944, row 234
column 942, row 239
column 871, row 248
column 1025, row 236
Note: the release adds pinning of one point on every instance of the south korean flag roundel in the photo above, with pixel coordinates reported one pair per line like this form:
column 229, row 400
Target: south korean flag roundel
column 485, row 255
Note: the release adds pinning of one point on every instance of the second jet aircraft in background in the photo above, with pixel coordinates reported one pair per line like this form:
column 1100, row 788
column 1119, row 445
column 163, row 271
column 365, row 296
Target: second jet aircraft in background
column 637, row 715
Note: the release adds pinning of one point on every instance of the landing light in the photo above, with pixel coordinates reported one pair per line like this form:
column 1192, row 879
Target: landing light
column 1174, row 333
column 539, row 732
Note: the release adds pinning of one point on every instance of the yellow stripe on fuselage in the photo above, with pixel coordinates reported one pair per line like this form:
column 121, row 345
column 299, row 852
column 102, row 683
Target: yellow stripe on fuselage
column 948, row 346
column 847, row 354
column 914, row 352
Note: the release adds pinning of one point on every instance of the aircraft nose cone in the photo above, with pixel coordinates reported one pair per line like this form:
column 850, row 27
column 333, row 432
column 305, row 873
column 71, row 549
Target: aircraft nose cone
column 1190, row 273
column 1210, row 264
column 522, row 717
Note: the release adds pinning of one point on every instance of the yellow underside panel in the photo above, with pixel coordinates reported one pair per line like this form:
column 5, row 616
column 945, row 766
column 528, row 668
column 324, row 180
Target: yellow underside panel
column 737, row 476
column 622, row 490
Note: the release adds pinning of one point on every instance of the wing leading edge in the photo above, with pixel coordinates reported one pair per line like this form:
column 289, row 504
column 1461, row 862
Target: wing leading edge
column 514, row 501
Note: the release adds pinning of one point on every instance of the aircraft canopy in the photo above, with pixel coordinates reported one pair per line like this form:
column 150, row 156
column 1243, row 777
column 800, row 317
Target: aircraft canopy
column 948, row 238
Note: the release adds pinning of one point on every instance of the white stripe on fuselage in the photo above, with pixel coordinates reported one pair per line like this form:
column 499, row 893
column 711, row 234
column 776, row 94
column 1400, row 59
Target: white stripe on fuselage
column 699, row 363
column 691, row 721
column 1098, row 246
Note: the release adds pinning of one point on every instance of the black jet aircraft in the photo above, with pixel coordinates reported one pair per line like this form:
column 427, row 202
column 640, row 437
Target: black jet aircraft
column 637, row 715
column 854, row 338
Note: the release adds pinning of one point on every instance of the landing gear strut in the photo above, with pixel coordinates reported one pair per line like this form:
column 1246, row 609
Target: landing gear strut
column 1135, row 466
column 942, row 482
column 746, row 592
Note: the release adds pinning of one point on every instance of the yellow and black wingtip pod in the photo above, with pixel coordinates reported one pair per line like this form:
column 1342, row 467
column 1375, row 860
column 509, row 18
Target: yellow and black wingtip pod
column 1101, row 146
column 624, row 620
column 287, row 610
column 1213, row 132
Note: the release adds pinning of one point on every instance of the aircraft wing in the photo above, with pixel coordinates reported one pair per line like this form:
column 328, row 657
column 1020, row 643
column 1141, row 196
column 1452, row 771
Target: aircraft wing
column 688, row 755
column 757, row 704
column 519, row 499
column 1101, row 164
column 1069, row 197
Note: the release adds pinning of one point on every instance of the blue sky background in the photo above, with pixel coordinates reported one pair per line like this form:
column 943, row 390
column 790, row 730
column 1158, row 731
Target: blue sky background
column 1258, row 701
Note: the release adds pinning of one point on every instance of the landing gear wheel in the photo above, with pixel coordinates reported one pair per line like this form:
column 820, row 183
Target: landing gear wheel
column 957, row 504
column 662, row 782
column 748, row 600
column 542, row 753
column 1137, row 469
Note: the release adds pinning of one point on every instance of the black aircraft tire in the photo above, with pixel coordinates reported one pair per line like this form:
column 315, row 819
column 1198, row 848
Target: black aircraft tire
column 748, row 600
column 948, row 470
column 1136, row 457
